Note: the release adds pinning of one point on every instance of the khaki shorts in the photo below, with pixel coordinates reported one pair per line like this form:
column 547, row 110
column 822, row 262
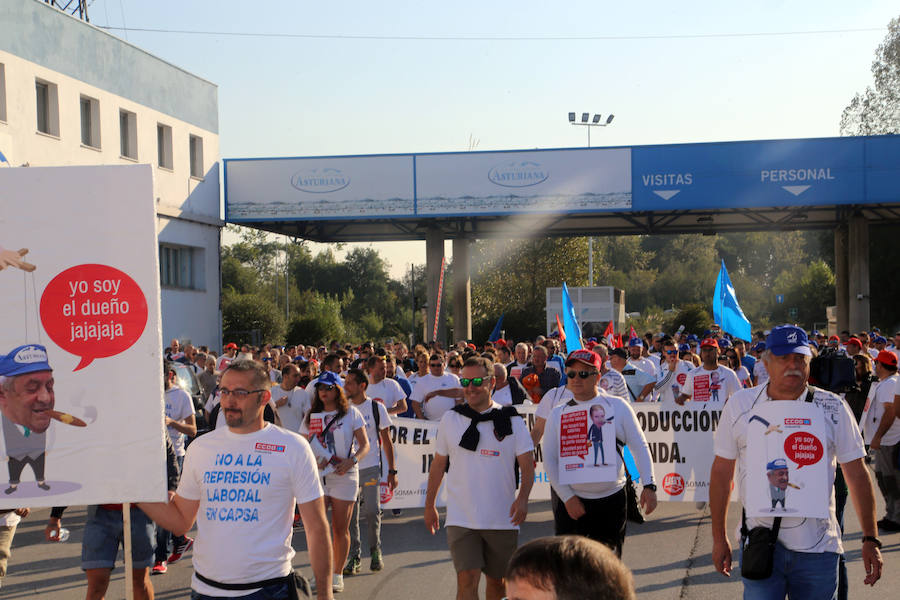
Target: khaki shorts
column 487, row 550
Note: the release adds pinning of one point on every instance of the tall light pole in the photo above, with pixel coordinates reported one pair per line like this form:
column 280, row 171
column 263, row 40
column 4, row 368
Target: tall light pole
column 586, row 121
column 595, row 122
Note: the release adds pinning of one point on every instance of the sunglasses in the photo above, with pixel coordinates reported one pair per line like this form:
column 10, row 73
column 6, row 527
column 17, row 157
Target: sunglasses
column 670, row 352
column 326, row 387
column 581, row 374
column 476, row 381
column 436, row 364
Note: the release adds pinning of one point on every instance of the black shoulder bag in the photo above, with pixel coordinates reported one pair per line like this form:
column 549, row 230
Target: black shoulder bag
column 297, row 585
column 758, row 544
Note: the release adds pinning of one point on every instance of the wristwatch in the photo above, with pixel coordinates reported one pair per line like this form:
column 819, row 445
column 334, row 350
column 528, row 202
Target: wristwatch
column 392, row 471
column 354, row 459
column 651, row 487
column 873, row 539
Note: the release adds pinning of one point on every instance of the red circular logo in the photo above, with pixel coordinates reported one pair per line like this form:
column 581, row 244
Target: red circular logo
column 386, row 492
column 681, row 378
column 673, row 484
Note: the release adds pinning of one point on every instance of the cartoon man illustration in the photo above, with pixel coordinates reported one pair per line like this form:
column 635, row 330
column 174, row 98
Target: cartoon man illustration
column 26, row 410
column 595, row 433
column 13, row 258
column 26, row 404
column 714, row 386
column 777, row 473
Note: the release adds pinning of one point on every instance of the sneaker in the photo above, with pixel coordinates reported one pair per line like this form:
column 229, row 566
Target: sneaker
column 396, row 512
column 377, row 563
column 337, row 583
column 353, row 566
column 159, row 568
column 887, row 525
column 179, row 549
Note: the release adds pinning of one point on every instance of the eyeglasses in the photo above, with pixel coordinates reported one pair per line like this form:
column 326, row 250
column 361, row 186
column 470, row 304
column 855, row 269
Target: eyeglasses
column 239, row 394
column 435, row 364
column 476, row 381
column 671, row 352
column 582, row 374
column 328, row 387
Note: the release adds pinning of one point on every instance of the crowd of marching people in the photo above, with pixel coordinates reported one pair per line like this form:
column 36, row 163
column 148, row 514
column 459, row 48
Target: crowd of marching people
column 321, row 415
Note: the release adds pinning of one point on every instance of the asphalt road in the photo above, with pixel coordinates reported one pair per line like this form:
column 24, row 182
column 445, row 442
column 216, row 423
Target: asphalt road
column 669, row 556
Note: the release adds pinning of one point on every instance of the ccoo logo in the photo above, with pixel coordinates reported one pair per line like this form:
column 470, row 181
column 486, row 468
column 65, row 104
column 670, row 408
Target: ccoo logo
column 673, row 484
column 320, row 181
column 518, row 174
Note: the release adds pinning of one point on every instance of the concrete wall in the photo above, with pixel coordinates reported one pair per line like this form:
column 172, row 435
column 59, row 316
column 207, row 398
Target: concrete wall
column 38, row 42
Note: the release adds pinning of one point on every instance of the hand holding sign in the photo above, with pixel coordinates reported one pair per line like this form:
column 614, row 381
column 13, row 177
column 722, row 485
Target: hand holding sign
column 93, row 311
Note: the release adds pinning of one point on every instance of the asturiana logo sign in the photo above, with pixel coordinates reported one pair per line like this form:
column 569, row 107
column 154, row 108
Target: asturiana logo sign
column 320, row 181
column 518, row 174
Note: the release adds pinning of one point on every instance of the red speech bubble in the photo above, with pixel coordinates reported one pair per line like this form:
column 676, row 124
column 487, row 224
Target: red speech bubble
column 803, row 448
column 93, row 311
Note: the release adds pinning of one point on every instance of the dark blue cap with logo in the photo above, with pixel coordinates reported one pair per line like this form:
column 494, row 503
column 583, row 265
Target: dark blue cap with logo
column 775, row 465
column 25, row 359
column 635, row 341
column 328, row 378
column 787, row 339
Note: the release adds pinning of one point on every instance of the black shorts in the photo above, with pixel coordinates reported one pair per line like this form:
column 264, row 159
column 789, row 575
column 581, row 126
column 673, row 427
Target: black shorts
column 603, row 520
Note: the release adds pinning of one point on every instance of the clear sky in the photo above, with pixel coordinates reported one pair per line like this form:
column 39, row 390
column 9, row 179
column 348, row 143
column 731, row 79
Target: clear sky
column 670, row 72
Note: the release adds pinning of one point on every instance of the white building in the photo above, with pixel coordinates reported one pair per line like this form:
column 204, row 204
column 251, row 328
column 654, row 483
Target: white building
column 72, row 94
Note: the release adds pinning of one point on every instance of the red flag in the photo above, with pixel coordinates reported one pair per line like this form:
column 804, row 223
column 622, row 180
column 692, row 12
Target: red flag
column 609, row 335
column 633, row 333
column 559, row 327
column 619, row 342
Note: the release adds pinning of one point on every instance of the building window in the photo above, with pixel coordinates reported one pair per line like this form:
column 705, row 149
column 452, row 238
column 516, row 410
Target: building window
column 2, row 92
column 90, row 122
column 196, row 156
column 128, row 134
column 176, row 266
column 47, row 101
column 164, row 145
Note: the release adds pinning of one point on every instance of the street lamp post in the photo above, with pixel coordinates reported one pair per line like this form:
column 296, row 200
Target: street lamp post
column 586, row 121
column 594, row 122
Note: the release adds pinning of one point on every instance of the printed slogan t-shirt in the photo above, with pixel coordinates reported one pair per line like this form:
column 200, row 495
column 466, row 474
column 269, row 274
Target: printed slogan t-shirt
column 247, row 485
column 711, row 386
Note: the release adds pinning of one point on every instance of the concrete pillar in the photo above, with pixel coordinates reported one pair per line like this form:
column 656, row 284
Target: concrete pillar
column 841, row 296
column 462, row 291
column 434, row 255
column 858, row 273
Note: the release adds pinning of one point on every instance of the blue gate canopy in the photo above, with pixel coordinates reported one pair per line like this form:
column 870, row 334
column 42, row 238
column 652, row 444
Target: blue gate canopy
column 680, row 188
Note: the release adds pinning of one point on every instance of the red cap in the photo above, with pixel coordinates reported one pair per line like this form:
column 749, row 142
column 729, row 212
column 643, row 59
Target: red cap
column 854, row 340
column 231, row 345
column 585, row 356
column 470, row 346
column 834, row 338
column 886, row 357
column 709, row 343
column 500, row 342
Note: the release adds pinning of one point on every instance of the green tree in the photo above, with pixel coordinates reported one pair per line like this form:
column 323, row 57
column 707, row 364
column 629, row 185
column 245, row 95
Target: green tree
column 877, row 109
column 243, row 313
column 695, row 317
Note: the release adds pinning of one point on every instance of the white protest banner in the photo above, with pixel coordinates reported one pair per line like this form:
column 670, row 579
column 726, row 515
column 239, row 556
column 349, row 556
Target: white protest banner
column 681, row 446
column 82, row 408
column 786, row 470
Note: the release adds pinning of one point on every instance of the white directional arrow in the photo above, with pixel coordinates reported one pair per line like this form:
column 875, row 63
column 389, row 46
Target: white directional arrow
column 666, row 194
column 796, row 189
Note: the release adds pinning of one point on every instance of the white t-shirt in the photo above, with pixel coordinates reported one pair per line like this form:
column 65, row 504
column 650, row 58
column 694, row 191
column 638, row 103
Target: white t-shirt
column 223, row 361
column 503, row 396
column 516, row 368
column 372, row 458
column 339, row 439
column 645, row 364
column 843, row 443
column 743, row 376
column 760, row 373
column 551, row 399
column 881, row 393
column 178, row 407
column 387, row 391
column 247, row 485
column 481, row 485
column 435, row 408
column 667, row 387
column 294, row 410
column 628, row 430
column 711, row 386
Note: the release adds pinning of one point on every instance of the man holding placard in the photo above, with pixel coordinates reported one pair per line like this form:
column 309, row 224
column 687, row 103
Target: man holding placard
column 243, row 481
column 593, row 497
column 763, row 431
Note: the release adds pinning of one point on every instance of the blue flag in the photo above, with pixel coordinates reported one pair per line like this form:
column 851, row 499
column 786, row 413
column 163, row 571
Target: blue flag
column 570, row 321
column 495, row 334
column 727, row 312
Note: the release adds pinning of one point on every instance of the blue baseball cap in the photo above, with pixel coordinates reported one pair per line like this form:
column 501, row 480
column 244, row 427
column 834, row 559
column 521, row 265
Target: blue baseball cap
column 787, row 339
column 635, row 342
column 693, row 338
column 759, row 346
column 328, row 378
column 25, row 359
column 880, row 340
column 724, row 343
column 774, row 465
column 684, row 348
column 814, row 344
